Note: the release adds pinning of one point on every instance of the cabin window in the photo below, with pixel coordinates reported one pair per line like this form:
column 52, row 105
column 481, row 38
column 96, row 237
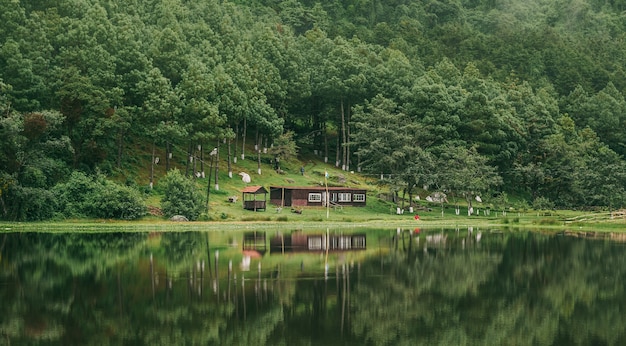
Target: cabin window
column 344, row 197
column 358, row 197
column 315, row 197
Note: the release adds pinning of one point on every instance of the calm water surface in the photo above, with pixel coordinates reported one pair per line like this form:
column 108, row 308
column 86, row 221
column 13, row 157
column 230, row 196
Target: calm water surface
column 391, row 287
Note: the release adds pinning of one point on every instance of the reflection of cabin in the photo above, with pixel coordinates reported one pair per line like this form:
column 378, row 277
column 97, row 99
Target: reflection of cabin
column 290, row 196
column 254, row 241
column 300, row 242
column 251, row 199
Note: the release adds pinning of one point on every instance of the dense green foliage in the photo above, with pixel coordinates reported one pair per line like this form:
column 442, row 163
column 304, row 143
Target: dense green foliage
column 181, row 196
column 531, row 92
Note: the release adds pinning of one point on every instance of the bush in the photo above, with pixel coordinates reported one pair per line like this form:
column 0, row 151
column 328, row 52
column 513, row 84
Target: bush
column 542, row 203
column 113, row 201
column 73, row 195
column 84, row 196
column 181, row 196
column 30, row 204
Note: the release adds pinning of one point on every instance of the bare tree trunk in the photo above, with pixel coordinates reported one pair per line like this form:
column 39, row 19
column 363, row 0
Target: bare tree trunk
column 201, row 148
column 258, row 150
column 152, row 166
column 243, row 140
column 120, row 148
column 217, row 166
column 343, row 138
column 347, row 139
column 230, row 166
column 168, row 155
column 194, row 155
column 325, row 143
column 189, row 158
column 236, row 142
column 337, row 162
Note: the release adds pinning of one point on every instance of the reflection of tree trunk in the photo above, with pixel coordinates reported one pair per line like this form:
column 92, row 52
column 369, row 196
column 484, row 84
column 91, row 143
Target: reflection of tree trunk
column 208, row 252
column 403, row 241
column 243, row 296
column 230, row 271
column 152, row 275
column 119, row 294
column 344, row 293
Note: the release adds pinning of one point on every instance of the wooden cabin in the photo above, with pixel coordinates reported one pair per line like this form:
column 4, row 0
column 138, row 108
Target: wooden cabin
column 317, row 196
column 251, row 196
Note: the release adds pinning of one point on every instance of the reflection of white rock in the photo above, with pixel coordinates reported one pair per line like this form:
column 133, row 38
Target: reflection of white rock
column 245, row 263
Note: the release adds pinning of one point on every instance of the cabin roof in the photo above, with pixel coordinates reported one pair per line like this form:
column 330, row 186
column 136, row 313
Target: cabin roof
column 254, row 189
column 317, row 188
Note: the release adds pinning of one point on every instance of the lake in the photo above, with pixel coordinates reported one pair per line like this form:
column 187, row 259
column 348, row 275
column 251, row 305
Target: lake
column 314, row 287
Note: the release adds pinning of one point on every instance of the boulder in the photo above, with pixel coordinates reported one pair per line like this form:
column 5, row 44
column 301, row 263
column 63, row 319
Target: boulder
column 179, row 218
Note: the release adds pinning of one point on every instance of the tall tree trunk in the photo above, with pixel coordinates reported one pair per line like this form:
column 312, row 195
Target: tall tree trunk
column 194, row 160
column 217, row 166
column 337, row 159
column 120, row 148
column 201, row 148
column 168, row 155
column 347, row 139
column 236, row 142
column 325, row 143
column 152, row 166
column 258, row 151
column 189, row 158
column 230, row 166
column 243, row 140
column 343, row 137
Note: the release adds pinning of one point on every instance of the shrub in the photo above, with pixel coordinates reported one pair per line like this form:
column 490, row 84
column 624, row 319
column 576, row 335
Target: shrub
column 181, row 196
column 114, row 201
column 30, row 204
column 74, row 194
column 84, row 196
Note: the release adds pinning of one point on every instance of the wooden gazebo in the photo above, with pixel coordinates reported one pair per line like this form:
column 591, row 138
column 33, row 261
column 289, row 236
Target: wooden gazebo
column 250, row 200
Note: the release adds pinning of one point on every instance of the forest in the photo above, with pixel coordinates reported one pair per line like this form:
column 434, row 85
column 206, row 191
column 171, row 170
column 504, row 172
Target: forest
column 467, row 97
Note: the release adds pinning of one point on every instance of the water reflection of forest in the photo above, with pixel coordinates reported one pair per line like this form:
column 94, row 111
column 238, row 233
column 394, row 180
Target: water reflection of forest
column 461, row 286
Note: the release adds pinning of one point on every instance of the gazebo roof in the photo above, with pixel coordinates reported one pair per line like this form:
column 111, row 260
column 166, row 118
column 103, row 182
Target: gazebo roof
column 254, row 189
